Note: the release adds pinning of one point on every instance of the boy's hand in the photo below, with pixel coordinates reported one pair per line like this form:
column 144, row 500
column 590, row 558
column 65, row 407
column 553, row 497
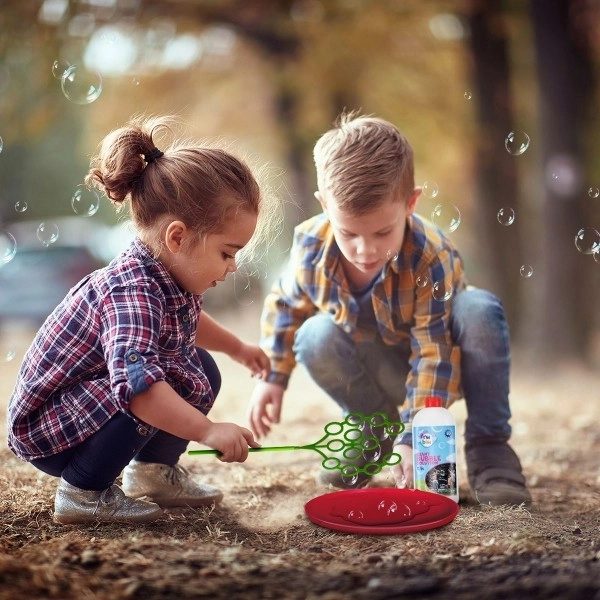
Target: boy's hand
column 265, row 407
column 403, row 471
column 230, row 440
column 253, row 358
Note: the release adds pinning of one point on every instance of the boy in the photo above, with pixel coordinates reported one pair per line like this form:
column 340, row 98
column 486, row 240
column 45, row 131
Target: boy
column 375, row 305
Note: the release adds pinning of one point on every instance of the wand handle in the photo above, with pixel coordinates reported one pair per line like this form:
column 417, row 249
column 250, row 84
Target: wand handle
column 261, row 449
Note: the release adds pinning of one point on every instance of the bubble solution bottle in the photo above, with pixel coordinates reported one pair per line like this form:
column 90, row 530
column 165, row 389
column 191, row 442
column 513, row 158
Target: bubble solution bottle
column 434, row 449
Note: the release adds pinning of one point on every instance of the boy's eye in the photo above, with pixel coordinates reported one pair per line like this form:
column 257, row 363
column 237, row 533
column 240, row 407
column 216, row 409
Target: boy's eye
column 383, row 234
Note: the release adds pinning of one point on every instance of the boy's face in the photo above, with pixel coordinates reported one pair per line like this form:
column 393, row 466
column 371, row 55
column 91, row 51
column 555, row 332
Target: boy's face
column 367, row 242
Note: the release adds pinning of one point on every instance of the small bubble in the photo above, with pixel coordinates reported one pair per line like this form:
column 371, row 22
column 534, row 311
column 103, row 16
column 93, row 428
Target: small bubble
column 526, row 271
column 85, row 201
column 81, row 86
column 446, row 216
column 21, row 207
column 506, row 216
column 392, row 255
column 1, row 144
column 597, row 256
column 587, row 240
column 594, row 192
column 10, row 355
column 441, row 292
column 59, row 68
column 516, row 142
column 422, row 281
column 135, row 81
column 468, row 95
column 8, row 247
column 47, row 233
column 430, row 189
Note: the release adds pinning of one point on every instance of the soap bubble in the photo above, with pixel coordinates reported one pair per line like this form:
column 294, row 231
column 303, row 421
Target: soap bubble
column 446, row 216
column 392, row 254
column 21, row 206
column 8, row 247
column 516, row 142
column 594, row 192
column 506, row 216
column 81, row 86
column 526, row 271
column 430, row 189
column 597, row 256
column 468, row 95
column 85, row 201
column 1, row 144
column 587, row 240
column 441, row 292
column 422, row 281
column 59, row 68
column 47, row 233
column 10, row 355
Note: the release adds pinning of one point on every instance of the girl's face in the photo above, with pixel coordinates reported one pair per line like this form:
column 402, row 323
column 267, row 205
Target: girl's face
column 199, row 265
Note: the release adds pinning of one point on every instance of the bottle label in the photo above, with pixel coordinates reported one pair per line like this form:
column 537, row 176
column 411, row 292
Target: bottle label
column 434, row 458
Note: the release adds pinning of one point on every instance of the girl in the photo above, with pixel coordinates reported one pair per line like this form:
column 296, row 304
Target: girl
column 118, row 376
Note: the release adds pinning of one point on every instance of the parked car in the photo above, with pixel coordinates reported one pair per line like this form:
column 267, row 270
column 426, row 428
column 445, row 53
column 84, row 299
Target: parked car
column 38, row 277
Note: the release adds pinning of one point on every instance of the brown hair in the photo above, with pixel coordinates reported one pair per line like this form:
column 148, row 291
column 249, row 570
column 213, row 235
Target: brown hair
column 199, row 185
column 362, row 162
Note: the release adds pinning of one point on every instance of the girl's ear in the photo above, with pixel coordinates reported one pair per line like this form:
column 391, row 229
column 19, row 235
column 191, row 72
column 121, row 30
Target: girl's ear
column 175, row 236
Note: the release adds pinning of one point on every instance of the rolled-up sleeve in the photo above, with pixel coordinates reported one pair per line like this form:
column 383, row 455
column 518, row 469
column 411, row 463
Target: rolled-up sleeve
column 131, row 318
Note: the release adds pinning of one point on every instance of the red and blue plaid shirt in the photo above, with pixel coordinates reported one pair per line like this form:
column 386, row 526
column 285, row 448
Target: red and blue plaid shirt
column 118, row 331
column 404, row 305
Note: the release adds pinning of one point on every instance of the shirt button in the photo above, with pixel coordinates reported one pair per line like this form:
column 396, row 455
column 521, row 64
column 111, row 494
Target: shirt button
column 186, row 318
column 142, row 430
column 133, row 358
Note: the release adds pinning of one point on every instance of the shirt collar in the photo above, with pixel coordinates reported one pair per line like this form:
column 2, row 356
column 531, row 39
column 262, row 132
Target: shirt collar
column 165, row 280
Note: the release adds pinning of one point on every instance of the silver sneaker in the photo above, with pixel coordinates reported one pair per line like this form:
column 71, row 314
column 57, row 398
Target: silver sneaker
column 73, row 505
column 167, row 486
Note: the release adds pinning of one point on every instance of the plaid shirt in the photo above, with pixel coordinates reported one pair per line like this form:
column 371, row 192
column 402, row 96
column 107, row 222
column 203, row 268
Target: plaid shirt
column 404, row 308
column 118, row 331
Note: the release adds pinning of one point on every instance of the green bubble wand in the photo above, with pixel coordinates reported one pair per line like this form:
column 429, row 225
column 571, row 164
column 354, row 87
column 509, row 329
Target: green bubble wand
column 359, row 440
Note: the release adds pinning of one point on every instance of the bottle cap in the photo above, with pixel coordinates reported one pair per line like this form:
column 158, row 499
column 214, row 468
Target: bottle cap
column 433, row 402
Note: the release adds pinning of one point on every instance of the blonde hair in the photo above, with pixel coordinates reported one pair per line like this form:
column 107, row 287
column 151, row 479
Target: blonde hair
column 362, row 162
column 199, row 185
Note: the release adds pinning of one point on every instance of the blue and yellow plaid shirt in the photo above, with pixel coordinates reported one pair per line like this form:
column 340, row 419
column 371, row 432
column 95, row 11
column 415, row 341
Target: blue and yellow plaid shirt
column 404, row 304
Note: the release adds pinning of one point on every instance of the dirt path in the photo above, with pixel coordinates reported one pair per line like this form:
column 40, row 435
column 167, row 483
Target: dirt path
column 259, row 544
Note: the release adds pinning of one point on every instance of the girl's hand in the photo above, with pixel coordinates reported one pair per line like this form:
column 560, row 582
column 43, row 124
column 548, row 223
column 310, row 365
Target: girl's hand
column 231, row 440
column 253, row 358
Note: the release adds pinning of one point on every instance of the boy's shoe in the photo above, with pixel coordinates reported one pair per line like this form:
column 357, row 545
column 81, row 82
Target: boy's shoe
column 168, row 486
column 495, row 474
column 73, row 505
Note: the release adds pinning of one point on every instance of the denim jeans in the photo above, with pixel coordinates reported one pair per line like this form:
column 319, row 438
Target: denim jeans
column 97, row 461
column 371, row 377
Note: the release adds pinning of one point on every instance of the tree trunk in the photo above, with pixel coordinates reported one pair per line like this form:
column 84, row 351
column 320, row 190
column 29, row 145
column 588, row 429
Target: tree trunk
column 496, row 174
column 565, row 317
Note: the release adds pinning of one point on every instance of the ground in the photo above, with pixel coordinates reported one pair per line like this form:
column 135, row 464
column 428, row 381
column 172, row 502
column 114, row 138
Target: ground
column 259, row 543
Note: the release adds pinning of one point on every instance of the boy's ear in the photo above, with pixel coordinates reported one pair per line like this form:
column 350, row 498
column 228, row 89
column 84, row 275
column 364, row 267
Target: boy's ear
column 175, row 235
column 412, row 201
column 321, row 200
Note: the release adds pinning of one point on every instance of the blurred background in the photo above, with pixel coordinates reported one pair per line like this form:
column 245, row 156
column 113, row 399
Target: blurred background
column 498, row 98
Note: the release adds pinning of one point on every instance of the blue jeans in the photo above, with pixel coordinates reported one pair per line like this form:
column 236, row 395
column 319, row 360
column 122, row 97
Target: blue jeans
column 371, row 377
column 97, row 461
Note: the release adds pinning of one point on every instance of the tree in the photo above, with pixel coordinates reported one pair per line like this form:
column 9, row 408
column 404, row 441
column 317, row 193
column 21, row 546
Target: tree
column 567, row 309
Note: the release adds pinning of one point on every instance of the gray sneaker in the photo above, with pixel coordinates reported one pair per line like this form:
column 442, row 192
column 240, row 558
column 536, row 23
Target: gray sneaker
column 167, row 486
column 73, row 505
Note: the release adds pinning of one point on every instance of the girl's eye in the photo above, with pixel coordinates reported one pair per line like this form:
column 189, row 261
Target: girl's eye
column 228, row 256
